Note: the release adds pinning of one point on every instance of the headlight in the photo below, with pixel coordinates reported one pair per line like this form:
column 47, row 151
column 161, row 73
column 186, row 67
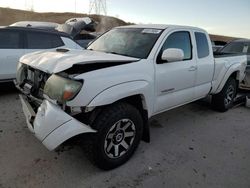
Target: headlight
column 61, row 89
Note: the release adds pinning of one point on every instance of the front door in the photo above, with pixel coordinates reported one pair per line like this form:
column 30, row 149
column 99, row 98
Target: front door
column 175, row 80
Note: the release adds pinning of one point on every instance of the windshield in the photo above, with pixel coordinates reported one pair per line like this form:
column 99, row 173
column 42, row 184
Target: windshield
column 132, row 42
column 236, row 47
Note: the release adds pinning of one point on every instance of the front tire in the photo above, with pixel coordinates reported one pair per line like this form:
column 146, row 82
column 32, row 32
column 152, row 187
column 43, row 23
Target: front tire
column 119, row 133
column 224, row 100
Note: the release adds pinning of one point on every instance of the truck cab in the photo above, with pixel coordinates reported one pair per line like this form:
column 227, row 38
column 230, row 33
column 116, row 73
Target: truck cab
column 189, row 78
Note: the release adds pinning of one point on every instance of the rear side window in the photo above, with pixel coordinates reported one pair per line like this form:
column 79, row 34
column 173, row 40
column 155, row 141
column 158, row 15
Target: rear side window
column 180, row 40
column 36, row 40
column 202, row 45
column 9, row 40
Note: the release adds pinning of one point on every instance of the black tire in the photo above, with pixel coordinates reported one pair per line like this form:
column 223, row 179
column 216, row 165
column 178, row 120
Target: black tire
column 115, row 118
column 224, row 100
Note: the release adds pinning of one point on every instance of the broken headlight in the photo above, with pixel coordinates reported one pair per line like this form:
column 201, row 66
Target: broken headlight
column 61, row 89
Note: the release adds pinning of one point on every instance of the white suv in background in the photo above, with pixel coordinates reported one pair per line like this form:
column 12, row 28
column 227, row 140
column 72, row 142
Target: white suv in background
column 18, row 41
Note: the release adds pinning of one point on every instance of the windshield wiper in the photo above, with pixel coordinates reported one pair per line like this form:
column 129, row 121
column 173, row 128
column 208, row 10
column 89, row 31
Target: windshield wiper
column 113, row 53
column 117, row 54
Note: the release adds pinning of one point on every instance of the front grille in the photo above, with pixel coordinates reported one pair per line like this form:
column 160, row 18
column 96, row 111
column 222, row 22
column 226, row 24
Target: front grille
column 34, row 82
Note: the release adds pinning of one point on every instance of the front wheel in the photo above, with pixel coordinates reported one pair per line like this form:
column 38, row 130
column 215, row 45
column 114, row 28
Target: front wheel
column 119, row 129
column 224, row 100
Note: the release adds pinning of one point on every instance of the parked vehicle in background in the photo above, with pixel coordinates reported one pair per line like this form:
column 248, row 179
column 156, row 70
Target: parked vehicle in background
column 240, row 46
column 83, row 38
column 18, row 41
column 126, row 76
column 37, row 25
column 84, row 23
column 80, row 29
column 217, row 45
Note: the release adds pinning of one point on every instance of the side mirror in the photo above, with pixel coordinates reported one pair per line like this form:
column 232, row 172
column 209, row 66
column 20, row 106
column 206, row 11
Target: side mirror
column 172, row 55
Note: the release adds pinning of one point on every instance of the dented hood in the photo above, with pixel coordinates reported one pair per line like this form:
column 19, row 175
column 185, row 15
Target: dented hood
column 54, row 61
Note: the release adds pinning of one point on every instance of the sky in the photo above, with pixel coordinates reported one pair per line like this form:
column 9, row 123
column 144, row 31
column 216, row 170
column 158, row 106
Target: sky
column 223, row 17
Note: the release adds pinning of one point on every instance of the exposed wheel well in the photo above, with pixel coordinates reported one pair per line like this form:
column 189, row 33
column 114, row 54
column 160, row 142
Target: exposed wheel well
column 138, row 102
column 235, row 75
column 135, row 100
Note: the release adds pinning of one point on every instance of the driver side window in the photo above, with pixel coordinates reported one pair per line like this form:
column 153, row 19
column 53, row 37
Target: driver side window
column 180, row 40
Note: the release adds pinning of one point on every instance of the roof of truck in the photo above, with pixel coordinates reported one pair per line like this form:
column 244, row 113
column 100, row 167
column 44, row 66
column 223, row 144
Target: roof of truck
column 160, row 26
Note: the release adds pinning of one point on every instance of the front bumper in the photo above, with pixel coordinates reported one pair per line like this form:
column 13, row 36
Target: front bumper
column 51, row 125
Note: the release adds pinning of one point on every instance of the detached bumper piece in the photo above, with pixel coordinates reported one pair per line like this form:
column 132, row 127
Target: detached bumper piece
column 51, row 125
column 28, row 112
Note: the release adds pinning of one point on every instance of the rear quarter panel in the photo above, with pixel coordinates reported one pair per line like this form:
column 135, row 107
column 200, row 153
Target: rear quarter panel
column 224, row 68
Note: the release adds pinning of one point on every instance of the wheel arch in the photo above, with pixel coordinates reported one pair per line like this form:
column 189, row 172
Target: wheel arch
column 139, row 102
column 235, row 75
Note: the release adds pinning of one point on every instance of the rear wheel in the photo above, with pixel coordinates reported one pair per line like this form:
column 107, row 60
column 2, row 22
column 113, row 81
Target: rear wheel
column 119, row 129
column 224, row 100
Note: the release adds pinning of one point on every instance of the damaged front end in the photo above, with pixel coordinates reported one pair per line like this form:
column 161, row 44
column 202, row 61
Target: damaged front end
column 43, row 100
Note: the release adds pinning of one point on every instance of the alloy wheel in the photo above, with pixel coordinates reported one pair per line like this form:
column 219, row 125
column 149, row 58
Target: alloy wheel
column 229, row 95
column 119, row 138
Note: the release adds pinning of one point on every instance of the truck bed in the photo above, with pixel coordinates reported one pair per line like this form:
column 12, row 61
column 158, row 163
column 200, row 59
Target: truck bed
column 223, row 64
column 221, row 55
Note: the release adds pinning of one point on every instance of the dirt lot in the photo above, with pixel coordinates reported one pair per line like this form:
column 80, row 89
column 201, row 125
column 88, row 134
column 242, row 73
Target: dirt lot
column 191, row 146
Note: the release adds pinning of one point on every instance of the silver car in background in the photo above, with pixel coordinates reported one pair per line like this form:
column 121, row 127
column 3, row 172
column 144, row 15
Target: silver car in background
column 82, row 30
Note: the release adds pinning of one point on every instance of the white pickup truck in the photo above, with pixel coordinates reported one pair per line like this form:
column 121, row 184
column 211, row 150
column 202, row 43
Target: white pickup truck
column 126, row 76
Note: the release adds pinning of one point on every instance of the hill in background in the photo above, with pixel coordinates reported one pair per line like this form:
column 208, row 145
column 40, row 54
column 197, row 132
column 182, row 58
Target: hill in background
column 221, row 38
column 9, row 16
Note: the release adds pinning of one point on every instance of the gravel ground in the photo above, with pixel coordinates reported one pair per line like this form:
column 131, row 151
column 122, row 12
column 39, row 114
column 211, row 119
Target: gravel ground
column 191, row 146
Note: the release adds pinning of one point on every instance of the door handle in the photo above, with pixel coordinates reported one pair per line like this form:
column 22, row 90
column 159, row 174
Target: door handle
column 192, row 68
